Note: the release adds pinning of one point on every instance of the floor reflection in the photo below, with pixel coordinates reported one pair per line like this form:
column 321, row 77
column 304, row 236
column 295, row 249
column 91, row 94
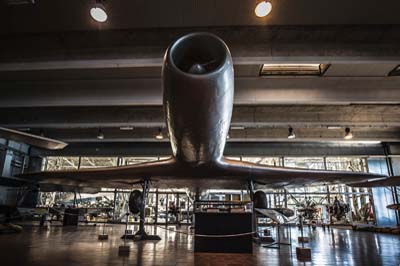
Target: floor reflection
column 79, row 246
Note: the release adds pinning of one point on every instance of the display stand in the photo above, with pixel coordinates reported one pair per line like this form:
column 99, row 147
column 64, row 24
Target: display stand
column 303, row 254
column 124, row 249
column 103, row 236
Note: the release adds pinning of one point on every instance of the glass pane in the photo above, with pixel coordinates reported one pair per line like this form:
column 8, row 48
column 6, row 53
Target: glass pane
column 137, row 160
column 271, row 161
column 96, row 162
column 305, row 162
column 62, row 163
column 352, row 164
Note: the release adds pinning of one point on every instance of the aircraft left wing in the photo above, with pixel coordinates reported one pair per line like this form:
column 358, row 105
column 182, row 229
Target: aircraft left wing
column 115, row 177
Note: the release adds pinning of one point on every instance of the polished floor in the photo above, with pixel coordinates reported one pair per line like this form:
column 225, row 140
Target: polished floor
column 60, row 246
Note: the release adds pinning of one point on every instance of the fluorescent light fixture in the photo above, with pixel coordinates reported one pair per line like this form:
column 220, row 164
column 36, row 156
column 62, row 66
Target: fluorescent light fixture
column 334, row 127
column 263, row 9
column 98, row 12
column 126, row 128
column 364, row 142
column 348, row 134
column 100, row 135
column 291, row 134
column 237, row 127
column 160, row 135
column 293, row 69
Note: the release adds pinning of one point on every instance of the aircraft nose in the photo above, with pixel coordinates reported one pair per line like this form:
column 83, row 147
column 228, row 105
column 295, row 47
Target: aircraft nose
column 197, row 69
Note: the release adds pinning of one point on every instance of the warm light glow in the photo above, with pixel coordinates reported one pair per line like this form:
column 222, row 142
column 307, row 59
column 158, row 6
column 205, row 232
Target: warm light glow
column 263, row 9
column 98, row 13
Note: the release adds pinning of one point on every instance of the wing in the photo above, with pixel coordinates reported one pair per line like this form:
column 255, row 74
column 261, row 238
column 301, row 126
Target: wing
column 292, row 177
column 387, row 182
column 224, row 174
column 37, row 141
column 115, row 177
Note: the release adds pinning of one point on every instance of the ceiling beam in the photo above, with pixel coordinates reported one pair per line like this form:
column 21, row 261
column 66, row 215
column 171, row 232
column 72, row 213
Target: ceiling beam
column 265, row 116
column 248, row 45
column 232, row 149
column 119, row 92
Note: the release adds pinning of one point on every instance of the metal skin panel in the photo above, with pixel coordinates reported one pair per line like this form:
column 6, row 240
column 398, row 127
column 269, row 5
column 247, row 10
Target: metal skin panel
column 198, row 97
column 198, row 100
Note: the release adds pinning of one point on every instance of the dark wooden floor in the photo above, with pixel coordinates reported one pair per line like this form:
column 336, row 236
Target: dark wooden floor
column 79, row 246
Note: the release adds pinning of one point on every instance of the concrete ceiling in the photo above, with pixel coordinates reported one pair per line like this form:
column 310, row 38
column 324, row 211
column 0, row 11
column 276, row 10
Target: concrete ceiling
column 65, row 76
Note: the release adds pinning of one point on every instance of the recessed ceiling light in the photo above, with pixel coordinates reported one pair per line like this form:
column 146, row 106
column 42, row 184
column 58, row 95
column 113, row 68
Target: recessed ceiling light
column 291, row 134
column 348, row 134
column 98, row 12
column 263, row 9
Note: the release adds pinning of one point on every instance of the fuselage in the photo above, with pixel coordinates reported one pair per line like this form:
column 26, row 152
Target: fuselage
column 198, row 90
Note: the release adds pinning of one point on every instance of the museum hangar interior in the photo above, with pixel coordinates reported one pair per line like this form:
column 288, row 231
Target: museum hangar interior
column 206, row 132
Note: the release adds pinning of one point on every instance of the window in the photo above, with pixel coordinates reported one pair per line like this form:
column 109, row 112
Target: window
column 305, row 162
column 61, row 163
column 96, row 162
column 353, row 164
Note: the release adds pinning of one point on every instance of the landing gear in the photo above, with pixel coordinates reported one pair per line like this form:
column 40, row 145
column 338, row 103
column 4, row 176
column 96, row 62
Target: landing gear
column 137, row 204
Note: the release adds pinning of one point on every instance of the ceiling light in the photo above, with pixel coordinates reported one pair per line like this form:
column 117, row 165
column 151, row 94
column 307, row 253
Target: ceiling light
column 334, row 127
column 227, row 136
column 237, row 127
column 293, row 69
column 126, row 128
column 291, row 134
column 100, row 135
column 160, row 135
column 348, row 134
column 263, row 9
column 98, row 12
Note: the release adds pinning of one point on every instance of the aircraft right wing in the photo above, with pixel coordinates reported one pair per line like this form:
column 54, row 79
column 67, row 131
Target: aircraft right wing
column 387, row 182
